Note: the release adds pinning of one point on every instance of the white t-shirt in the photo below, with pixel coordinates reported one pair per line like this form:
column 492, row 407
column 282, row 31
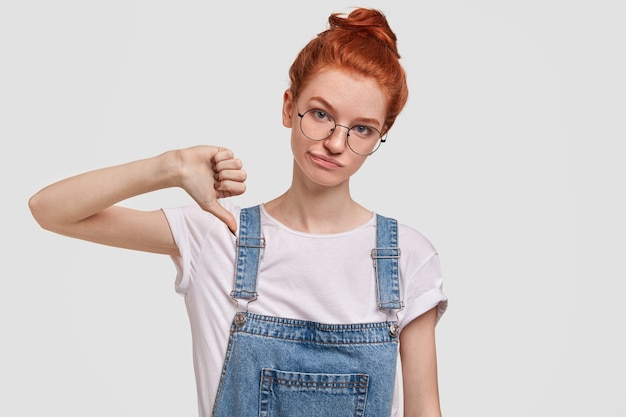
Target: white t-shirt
column 326, row 278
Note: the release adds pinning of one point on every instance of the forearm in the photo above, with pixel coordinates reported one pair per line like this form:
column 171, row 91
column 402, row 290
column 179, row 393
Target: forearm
column 69, row 201
column 419, row 367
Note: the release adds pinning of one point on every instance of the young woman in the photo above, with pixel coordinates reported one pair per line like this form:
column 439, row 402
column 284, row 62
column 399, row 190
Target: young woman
column 298, row 306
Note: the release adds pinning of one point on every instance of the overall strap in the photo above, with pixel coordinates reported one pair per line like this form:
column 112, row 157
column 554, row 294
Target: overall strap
column 385, row 256
column 249, row 245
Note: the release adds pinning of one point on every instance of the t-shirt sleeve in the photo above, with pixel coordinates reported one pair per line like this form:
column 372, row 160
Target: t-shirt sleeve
column 190, row 226
column 423, row 285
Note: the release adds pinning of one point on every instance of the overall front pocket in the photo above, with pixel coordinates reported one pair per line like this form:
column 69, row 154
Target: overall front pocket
column 284, row 393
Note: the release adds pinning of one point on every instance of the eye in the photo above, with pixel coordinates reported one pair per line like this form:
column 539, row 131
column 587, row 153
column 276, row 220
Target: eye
column 365, row 132
column 320, row 115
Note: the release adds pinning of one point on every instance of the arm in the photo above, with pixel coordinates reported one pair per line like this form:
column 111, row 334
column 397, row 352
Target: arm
column 84, row 206
column 419, row 367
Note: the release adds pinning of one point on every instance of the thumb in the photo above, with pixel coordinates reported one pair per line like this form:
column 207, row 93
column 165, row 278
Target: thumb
column 224, row 215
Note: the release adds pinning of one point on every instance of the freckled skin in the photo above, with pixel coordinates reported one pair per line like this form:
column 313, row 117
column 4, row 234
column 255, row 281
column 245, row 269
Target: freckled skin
column 330, row 162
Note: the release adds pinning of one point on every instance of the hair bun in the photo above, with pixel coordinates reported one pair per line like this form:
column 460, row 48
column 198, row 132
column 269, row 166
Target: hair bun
column 369, row 23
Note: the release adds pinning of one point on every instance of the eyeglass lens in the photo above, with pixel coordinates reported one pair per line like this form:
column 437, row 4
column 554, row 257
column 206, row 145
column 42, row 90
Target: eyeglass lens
column 319, row 125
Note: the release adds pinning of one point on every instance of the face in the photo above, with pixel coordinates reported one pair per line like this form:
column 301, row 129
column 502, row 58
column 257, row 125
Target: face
column 351, row 101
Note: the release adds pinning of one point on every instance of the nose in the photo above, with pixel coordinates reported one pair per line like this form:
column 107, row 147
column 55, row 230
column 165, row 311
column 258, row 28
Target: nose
column 336, row 142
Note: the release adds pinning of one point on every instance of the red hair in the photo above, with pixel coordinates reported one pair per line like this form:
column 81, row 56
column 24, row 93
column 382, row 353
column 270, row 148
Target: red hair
column 362, row 43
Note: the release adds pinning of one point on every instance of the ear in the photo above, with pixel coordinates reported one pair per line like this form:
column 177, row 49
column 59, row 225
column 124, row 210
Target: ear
column 288, row 106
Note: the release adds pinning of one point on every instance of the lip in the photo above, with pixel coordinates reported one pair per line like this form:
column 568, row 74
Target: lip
column 324, row 161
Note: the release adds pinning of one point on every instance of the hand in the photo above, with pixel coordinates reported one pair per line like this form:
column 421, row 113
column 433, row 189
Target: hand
column 209, row 173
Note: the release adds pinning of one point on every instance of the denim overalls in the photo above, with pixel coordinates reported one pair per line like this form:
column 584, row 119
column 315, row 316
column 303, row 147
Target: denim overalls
column 278, row 366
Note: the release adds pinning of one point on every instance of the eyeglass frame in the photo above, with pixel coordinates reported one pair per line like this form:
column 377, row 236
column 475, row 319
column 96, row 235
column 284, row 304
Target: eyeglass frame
column 381, row 139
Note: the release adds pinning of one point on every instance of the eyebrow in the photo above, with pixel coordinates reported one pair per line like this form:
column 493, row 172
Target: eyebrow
column 365, row 120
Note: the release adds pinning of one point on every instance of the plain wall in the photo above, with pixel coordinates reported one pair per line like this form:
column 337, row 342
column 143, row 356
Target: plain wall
column 508, row 157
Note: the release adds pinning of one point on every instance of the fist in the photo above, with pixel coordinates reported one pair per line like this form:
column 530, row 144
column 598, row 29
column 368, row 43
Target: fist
column 209, row 173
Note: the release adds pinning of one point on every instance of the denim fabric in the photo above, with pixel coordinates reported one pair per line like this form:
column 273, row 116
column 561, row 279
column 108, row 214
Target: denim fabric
column 286, row 367
column 249, row 244
column 385, row 257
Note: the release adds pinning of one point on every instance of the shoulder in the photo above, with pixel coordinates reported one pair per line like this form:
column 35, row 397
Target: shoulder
column 414, row 246
column 412, row 239
column 416, row 249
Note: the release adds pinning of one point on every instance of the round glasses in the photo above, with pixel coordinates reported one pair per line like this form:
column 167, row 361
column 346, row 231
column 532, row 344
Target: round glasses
column 318, row 125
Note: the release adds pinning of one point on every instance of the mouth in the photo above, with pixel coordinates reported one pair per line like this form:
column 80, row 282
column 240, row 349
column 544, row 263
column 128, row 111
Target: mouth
column 324, row 162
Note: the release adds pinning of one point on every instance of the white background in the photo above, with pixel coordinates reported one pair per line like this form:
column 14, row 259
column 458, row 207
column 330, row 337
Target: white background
column 508, row 157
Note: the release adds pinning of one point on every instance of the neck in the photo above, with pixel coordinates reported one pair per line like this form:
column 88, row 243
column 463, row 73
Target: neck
column 317, row 209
